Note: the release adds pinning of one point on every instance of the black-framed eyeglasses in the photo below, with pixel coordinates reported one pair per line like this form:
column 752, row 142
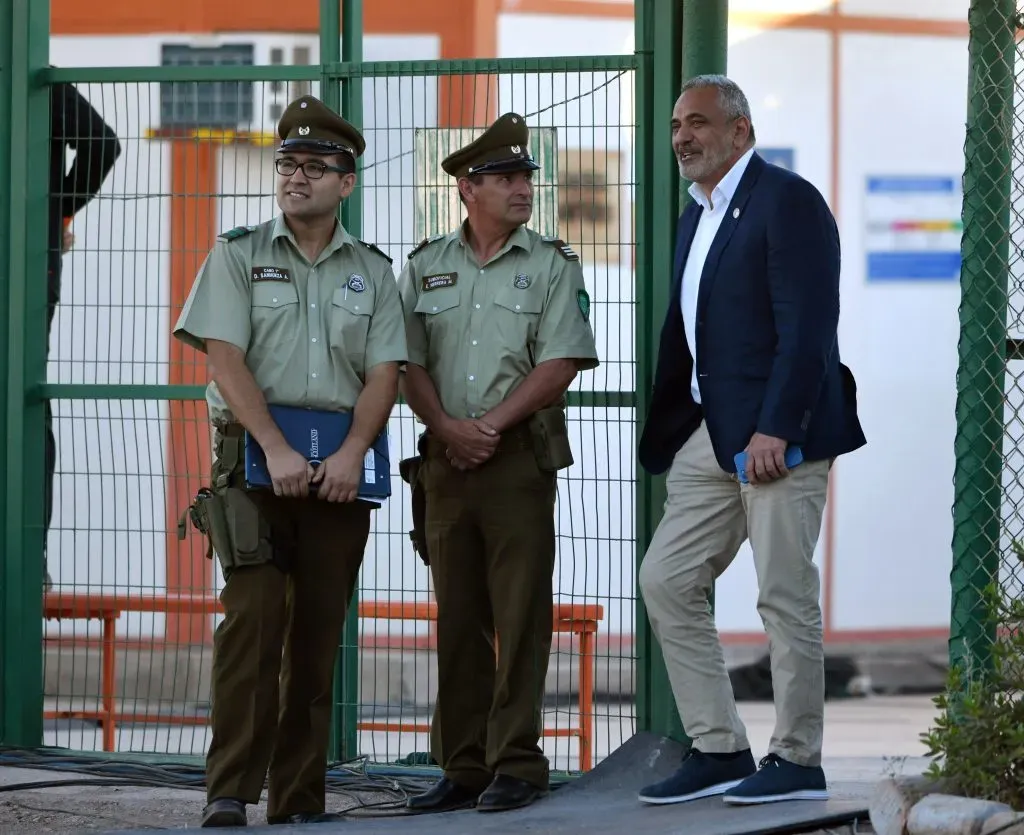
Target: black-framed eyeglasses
column 311, row 168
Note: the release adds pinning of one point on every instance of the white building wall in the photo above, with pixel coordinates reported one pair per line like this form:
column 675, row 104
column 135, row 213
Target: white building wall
column 891, row 510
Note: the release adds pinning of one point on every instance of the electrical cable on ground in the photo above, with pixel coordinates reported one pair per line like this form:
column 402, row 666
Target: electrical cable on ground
column 349, row 779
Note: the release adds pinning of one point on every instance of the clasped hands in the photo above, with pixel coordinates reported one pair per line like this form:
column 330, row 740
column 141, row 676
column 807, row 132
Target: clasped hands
column 468, row 443
column 336, row 478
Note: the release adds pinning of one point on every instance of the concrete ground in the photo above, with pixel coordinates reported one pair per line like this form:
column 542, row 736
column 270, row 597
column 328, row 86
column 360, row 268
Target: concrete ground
column 865, row 740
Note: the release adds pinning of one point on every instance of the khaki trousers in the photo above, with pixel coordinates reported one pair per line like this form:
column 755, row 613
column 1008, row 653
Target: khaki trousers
column 708, row 515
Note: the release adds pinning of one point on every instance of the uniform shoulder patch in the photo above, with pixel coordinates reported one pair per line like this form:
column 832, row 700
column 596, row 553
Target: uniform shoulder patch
column 423, row 243
column 377, row 249
column 563, row 248
column 236, row 233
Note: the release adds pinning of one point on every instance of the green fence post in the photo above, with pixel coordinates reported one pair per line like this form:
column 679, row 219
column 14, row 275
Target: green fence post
column 343, row 715
column 352, row 217
column 659, row 35
column 985, row 250
column 341, row 39
column 24, row 114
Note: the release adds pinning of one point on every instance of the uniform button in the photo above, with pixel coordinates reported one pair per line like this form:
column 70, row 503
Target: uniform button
column 433, row 309
column 314, row 339
column 482, row 272
column 477, row 307
column 314, row 375
column 517, row 307
column 474, row 342
column 356, row 307
column 274, row 300
column 312, row 304
column 471, row 378
column 472, row 414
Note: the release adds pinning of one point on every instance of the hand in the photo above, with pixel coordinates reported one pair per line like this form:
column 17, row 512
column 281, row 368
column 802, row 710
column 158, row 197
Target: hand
column 289, row 471
column 766, row 459
column 67, row 241
column 339, row 475
column 471, row 442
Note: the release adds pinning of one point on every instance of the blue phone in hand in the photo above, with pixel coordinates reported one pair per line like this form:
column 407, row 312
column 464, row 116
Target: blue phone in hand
column 794, row 456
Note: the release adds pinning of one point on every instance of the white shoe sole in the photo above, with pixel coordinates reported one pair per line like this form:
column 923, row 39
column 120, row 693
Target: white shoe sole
column 806, row 794
column 710, row 791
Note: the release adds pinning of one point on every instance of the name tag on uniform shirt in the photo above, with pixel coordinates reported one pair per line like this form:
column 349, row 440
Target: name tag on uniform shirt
column 436, row 282
column 270, row 274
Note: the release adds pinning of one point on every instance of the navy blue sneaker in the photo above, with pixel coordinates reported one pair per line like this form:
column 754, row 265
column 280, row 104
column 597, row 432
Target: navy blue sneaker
column 700, row 775
column 777, row 779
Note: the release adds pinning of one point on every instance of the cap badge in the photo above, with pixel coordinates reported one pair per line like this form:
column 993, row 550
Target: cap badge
column 356, row 283
column 303, row 104
column 516, row 149
column 303, row 131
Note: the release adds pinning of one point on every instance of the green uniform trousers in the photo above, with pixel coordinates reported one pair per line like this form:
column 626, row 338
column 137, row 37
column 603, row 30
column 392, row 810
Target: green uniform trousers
column 275, row 650
column 491, row 540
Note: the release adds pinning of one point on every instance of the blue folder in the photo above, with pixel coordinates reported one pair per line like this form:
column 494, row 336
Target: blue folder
column 316, row 435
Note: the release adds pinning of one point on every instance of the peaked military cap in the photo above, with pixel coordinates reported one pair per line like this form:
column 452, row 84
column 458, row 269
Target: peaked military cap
column 499, row 149
column 308, row 124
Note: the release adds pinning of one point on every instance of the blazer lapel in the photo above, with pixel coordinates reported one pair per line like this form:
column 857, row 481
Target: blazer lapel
column 733, row 217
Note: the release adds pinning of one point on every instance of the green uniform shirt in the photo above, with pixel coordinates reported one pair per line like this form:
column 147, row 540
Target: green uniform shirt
column 479, row 330
column 309, row 331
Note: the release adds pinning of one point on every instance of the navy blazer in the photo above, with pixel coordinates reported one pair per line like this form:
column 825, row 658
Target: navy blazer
column 767, row 320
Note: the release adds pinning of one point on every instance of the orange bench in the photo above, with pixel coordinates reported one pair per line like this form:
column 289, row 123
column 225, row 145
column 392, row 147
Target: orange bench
column 577, row 619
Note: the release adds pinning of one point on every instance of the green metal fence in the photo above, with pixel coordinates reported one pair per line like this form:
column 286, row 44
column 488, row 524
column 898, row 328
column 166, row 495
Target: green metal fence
column 130, row 423
column 988, row 525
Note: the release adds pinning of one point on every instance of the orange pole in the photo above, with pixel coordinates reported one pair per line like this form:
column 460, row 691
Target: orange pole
column 109, row 656
column 193, row 212
column 586, row 698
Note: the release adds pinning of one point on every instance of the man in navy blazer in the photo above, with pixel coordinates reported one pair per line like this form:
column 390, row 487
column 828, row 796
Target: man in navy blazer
column 748, row 363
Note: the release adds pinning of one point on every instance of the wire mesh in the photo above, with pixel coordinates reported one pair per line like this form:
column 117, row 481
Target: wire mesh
column 988, row 559
column 133, row 444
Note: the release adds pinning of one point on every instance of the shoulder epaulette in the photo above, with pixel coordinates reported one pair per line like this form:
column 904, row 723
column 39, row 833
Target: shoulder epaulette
column 564, row 249
column 376, row 249
column 424, row 242
column 237, row 232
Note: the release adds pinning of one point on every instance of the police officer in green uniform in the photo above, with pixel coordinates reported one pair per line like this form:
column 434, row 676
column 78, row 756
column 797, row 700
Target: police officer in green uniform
column 296, row 312
column 498, row 325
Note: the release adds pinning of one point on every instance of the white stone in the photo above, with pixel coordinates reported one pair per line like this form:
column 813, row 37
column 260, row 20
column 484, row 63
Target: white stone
column 893, row 799
column 947, row 814
column 1004, row 823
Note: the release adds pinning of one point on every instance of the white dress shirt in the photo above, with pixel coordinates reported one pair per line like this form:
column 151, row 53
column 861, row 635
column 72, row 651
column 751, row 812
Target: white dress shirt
column 707, row 227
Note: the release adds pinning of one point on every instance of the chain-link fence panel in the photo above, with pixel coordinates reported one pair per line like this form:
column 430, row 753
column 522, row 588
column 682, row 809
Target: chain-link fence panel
column 132, row 610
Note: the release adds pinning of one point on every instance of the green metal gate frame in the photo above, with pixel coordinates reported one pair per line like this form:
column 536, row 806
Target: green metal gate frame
column 662, row 29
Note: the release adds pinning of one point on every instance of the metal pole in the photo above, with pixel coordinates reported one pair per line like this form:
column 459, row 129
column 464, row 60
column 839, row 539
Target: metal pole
column 659, row 46
column 678, row 39
column 24, row 187
column 705, row 47
column 982, row 352
column 341, row 39
column 352, row 217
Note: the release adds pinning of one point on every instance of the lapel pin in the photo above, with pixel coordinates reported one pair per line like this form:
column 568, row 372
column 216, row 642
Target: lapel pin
column 735, row 213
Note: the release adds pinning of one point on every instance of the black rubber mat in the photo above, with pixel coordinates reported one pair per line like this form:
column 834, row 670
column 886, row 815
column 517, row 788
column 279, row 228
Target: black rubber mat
column 604, row 801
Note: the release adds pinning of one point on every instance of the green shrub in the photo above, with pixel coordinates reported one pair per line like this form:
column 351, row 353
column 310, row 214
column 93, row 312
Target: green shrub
column 977, row 742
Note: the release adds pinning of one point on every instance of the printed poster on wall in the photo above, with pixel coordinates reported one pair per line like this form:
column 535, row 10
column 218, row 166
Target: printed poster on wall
column 912, row 228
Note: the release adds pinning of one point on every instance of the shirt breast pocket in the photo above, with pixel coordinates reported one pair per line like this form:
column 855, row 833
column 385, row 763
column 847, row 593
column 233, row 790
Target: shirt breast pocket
column 440, row 311
column 516, row 316
column 275, row 312
column 350, row 323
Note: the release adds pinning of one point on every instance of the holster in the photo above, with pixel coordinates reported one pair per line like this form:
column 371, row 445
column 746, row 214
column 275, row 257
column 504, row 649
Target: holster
column 411, row 471
column 235, row 529
column 550, row 434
